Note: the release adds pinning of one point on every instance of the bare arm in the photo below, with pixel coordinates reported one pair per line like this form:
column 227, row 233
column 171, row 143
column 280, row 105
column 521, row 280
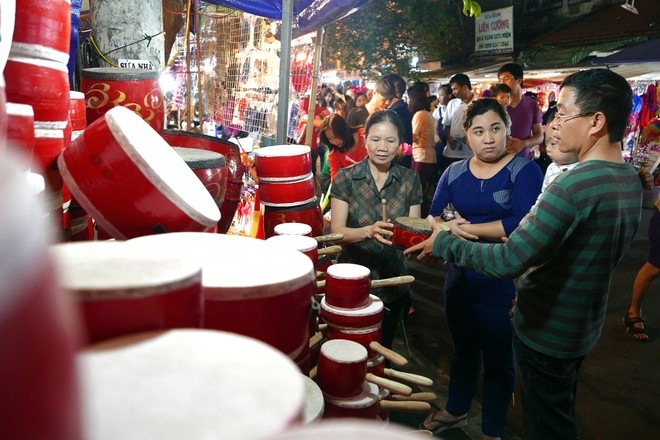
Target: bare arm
column 516, row 145
column 380, row 231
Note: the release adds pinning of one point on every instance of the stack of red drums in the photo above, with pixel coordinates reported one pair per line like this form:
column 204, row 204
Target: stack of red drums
column 287, row 187
column 351, row 312
column 36, row 74
column 231, row 196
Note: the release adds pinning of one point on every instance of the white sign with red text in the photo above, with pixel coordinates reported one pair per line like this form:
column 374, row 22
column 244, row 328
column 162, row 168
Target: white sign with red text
column 493, row 31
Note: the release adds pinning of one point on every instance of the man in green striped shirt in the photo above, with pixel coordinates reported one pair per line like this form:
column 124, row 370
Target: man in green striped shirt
column 564, row 252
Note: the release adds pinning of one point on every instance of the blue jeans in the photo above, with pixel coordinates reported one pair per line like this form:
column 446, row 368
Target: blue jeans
column 549, row 388
column 478, row 319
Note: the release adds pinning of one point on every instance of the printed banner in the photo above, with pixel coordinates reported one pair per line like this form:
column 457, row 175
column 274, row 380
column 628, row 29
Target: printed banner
column 493, row 32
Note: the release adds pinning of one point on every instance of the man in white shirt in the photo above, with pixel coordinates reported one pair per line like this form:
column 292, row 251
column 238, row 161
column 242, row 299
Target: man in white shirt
column 457, row 147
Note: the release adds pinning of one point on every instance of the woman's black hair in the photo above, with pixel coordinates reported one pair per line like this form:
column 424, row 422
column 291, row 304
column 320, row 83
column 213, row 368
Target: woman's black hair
column 339, row 129
column 481, row 106
column 385, row 116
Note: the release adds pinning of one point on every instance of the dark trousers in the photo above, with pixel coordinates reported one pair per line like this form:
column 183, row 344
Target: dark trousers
column 426, row 172
column 549, row 388
column 478, row 319
column 394, row 311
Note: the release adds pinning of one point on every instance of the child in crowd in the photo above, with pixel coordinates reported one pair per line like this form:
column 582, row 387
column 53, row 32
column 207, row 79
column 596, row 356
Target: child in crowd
column 502, row 93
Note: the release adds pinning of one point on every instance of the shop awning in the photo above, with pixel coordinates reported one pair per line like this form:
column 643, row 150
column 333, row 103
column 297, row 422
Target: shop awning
column 641, row 53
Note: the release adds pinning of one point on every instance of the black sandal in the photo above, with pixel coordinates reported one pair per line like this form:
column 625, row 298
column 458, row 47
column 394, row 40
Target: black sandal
column 629, row 322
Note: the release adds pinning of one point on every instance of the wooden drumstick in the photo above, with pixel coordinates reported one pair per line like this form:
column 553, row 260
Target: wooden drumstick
column 316, row 339
column 414, row 379
column 335, row 236
column 388, row 354
column 395, row 387
column 334, row 249
column 419, row 397
column 408, row 406
column 394, row 281
column 383, row 209
column 320, row 284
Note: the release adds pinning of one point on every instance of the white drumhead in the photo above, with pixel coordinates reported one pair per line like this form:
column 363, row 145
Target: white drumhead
column 348, row 271
column 282, row 150
column 313, row 409
column 349, row 429
column 162, row 165
column 373, row 307
column 237, row 267
column 110, row 269
column 344, row 351
column 292, row 229
column 188, row 384
column 300, row 243
column 15, row 109
column 367, row 397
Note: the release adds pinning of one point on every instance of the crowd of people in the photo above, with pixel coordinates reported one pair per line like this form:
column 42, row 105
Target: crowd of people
column 529, row 245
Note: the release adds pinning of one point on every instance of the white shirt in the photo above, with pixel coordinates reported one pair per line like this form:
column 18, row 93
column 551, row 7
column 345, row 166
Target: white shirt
column 454, row 118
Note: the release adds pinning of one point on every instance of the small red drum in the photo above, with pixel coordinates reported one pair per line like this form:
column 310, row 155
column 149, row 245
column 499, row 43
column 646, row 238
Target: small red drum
column 409, row 231
column 293, row 229
column 363, row 336
column 368, row 316
column 230, row 151
column 188, row 384
column 347, row 286
column 308, row 213
column 252, row 288
column 210, row 168
column 313, row 409
column 48, row 144
column 77, row 111
column 38, row 374
column 289, row 193
column 135, row 89
column 42, row 84
column 283, row 163
column 349, row 430
column 131, row 182
column 342, row 368
column 43, row 30
column 20, row 127
column 122, row 289
column 363, row 406
column 304, row 244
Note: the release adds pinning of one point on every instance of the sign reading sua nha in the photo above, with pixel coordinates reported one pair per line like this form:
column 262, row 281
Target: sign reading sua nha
column 493, row 31
column 127, row 63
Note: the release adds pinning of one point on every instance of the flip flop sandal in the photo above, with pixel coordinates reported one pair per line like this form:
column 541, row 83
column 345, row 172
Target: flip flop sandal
column 438, row 426
column 629, row 322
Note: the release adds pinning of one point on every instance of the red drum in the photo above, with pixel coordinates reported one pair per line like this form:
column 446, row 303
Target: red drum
column 347, row 286
column 227, row 212
column 77, row 111
column 364, row 406
column 43, row 30
column 368, row 316
column 349, row 430
column 313, row 409
column 363, row 336
column 376, row 366
column 131, row 182
column 306, row 245
column 290, row 193
column 252, row 288
column 230, row 151
column 3, row 104
column 188, row 384
column 42, row 84
column 210, row 168
column 283, row 163
column 48, row 144
column 20, row 127
column 308, row 213
column 38, row 373
column 342, row 368
column 293, row 229
column 409, row 231
column 135, row 89
column 122, row 289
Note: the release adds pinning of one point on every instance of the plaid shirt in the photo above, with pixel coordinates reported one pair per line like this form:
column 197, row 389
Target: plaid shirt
column 356, row 186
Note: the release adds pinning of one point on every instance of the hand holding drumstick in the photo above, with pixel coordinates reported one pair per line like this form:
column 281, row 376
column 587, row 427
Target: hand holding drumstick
column 381, row 230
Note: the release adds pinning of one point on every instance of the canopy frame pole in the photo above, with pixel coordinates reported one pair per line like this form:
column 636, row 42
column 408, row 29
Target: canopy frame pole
column 311, row 109
column 285, row 71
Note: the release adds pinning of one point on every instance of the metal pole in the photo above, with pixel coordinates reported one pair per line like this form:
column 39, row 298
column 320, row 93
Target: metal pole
column 198, row 53
column 285, row 71
column 311, row 110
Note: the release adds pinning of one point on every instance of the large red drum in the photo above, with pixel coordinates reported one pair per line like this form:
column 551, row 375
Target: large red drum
column 308, row 213
column 42, row 84
column 77, row 111
column 135, row 89
column 252, row 288
column 123, row 289
column 132, row 182
column 48, row 144
column 289, row 193
column 210, row 168
column 20, row 127
column 283, row 162
column 43, row 30
column 188, row 384
column 38, row 374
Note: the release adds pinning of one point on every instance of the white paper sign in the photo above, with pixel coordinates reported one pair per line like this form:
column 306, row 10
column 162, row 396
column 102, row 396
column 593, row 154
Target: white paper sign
column 493, row 31
column 126, row 63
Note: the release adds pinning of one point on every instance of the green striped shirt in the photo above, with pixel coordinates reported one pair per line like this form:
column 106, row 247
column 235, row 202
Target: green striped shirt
column 564, row 254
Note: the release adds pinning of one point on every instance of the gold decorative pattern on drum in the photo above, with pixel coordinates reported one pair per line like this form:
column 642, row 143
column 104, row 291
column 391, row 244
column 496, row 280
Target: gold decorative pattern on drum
column 99, row 98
